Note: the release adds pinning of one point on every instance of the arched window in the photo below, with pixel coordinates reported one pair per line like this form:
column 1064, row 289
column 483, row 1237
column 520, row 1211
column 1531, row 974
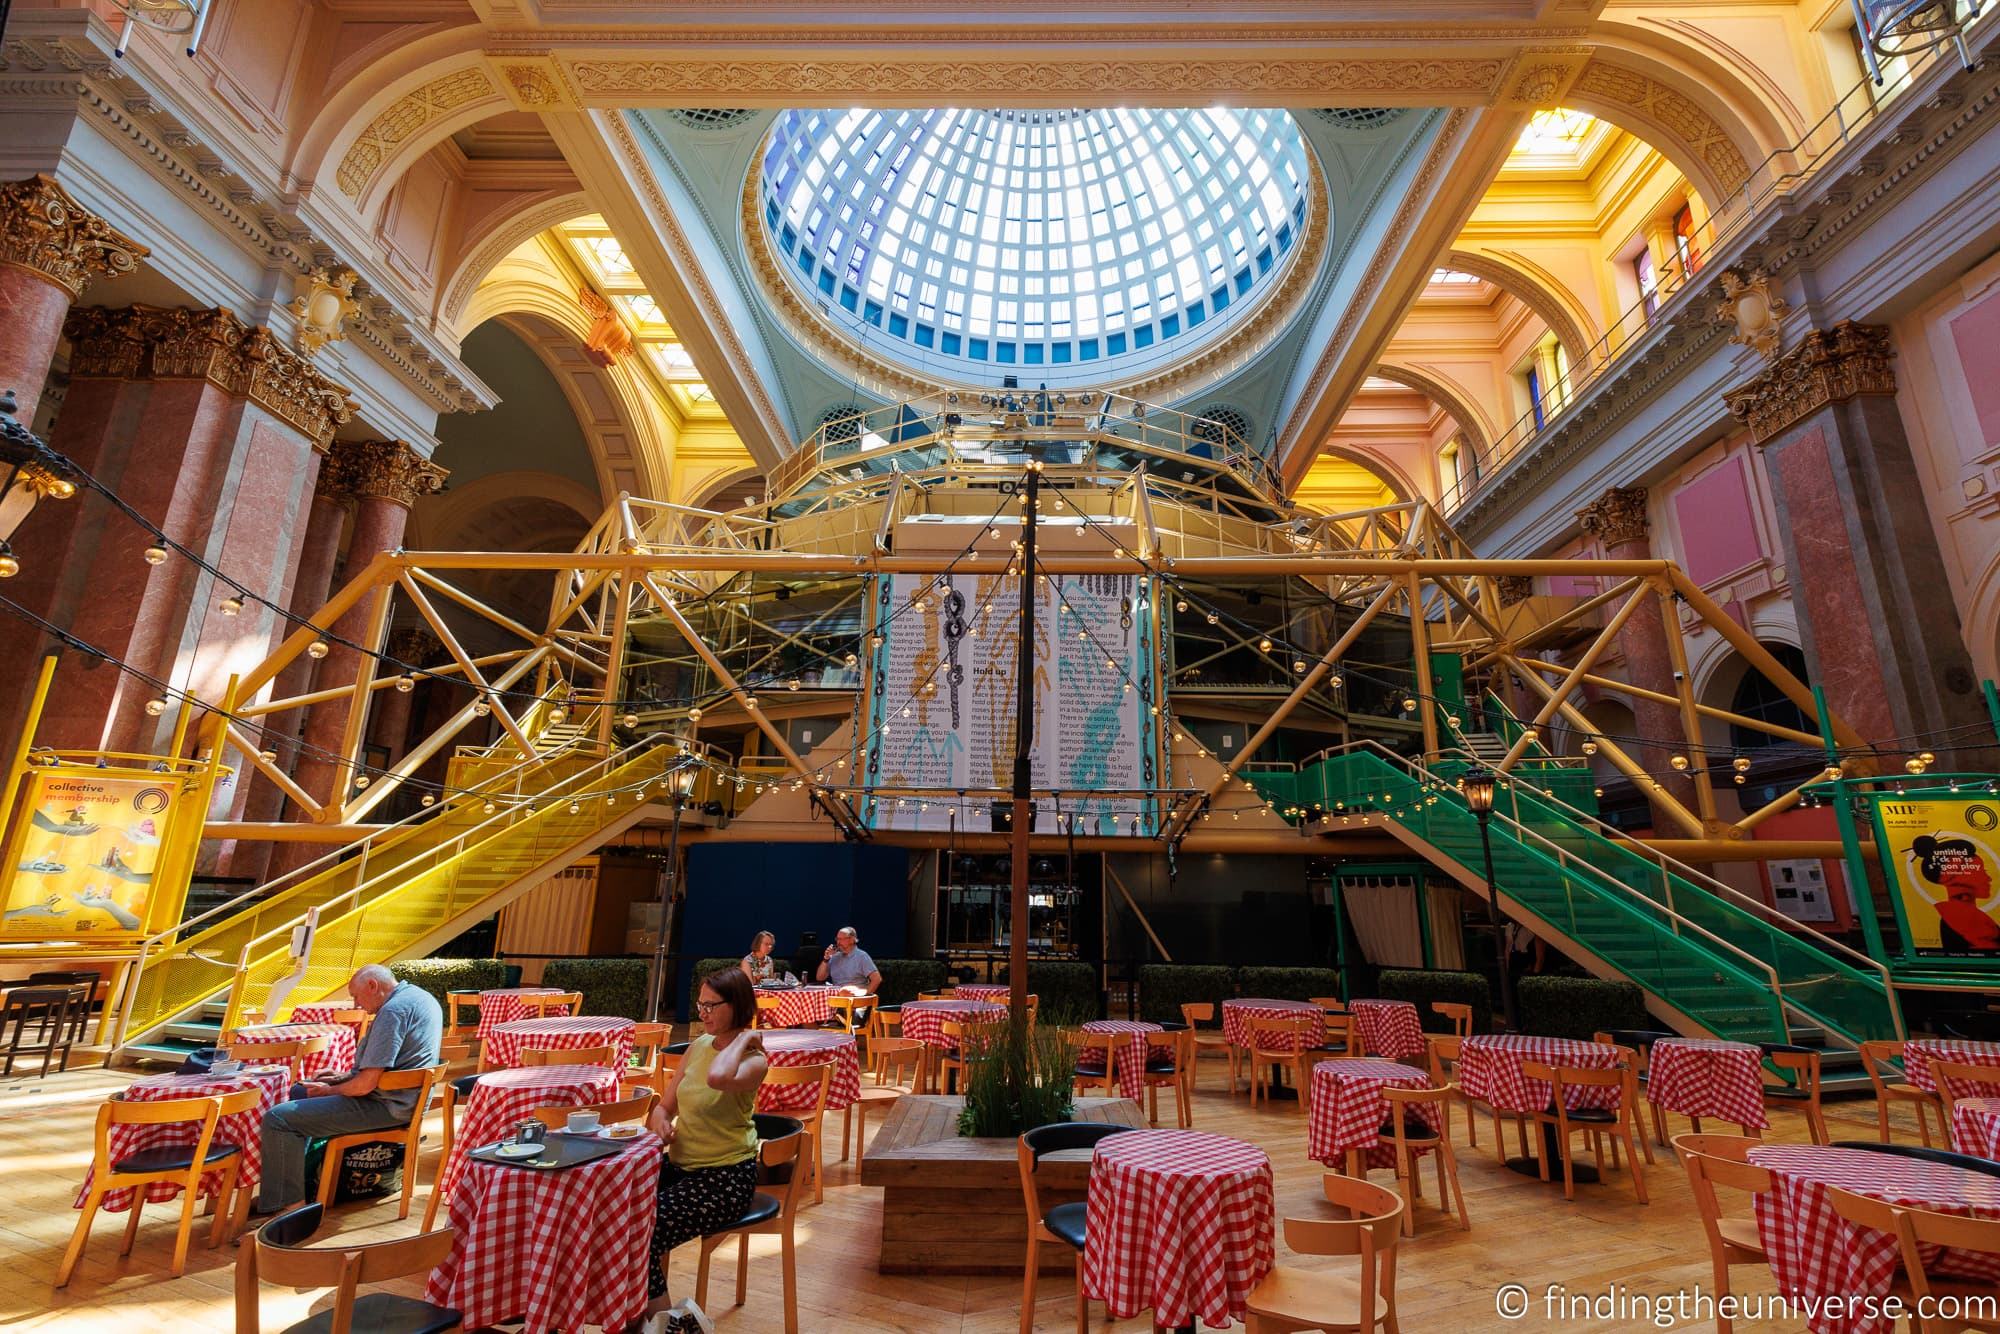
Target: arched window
column 1757, row 697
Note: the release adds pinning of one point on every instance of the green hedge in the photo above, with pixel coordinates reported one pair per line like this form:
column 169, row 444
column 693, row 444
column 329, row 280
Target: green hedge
column 1422, row 986
column 1068, row 992
column 438, row 976
column 609, row 986
column 702, row 968
column 903, row 979
column 1296, row 984
column 1576, row 1007
column 1165, row 987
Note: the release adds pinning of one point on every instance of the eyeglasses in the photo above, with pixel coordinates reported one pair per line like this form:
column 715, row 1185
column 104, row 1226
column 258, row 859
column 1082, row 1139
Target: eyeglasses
column 706, row 1006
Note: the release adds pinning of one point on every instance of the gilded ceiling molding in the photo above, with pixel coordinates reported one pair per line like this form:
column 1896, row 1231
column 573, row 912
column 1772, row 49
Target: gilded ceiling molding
column 1752, row 307
column 1828, row 366
column 404, row 118
column 1302, row 34
column 608, row 338
column 619, row 82
column 1541, row 77
column 45, row 231
column 503, row 241
column 1530, row 293
column 1616, row 86
column 153, row 342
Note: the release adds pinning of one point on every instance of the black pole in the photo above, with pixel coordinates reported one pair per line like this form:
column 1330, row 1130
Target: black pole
column 667, row 887
column 1024, row 744
column 1498, row 918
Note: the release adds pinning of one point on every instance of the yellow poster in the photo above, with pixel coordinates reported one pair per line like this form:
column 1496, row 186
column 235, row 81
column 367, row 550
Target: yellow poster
column 82, row 861
column 1942, row 856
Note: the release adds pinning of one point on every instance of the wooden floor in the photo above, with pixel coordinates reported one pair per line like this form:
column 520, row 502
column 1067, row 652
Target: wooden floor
column 1523, row 1232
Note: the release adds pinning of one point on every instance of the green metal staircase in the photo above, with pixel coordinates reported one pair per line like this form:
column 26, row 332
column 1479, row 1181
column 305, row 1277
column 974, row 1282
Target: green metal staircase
column 1721, row 962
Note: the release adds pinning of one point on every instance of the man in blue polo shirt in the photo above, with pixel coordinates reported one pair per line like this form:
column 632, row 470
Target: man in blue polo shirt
column 846, row 964
column 405, row 1033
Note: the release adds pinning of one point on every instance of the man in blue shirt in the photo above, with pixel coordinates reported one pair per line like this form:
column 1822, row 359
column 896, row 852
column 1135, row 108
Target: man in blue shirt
column 404, row 1035
column 846, row 964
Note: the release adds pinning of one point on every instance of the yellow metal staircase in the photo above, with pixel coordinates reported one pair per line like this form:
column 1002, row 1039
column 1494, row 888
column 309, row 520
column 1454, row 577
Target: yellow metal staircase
column 404, row 889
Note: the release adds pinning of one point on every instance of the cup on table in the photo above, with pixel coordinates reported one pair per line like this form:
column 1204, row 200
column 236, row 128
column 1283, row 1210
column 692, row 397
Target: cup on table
column 582, row 1123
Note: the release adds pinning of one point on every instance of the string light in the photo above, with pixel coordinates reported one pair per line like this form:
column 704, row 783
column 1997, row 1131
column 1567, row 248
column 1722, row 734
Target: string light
column 232, row 605
column 156, row 554
column 318, row 649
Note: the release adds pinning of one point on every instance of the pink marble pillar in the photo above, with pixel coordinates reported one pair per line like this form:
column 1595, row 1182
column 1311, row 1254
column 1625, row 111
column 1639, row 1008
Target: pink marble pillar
column 50, row 246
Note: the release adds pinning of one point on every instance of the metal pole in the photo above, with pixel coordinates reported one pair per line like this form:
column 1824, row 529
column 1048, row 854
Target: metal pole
column 668, row 883
column 1498, row 919
column 1024, row 745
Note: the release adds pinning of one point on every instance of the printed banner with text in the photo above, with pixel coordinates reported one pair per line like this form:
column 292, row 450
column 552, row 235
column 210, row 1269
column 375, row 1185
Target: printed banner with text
column 81, row 862
column 1939, row 855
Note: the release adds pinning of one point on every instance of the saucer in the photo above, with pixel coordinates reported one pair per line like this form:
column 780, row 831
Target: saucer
column 519, row 1150
column 620, row 1132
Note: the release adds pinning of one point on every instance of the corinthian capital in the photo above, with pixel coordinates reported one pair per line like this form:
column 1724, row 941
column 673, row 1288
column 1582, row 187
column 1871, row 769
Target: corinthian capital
column 1828, row 366
column 388, row 470
column 1616, row 517
column 44, row 230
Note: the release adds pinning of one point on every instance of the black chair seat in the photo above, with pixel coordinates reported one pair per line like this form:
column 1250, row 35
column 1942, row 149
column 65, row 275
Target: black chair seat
column 1944, row 1157
column 385, row 1313
column 1163, row 1068
column 1089, row 1071
column 1414, row 1132
column 172, row 1158
column 1067, row 1222
column 1596, row 1116
column 462, row 1086
column 763, row 1208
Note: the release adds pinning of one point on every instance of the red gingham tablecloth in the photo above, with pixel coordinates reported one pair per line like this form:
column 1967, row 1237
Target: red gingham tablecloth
column 503, row 1006
column 1178, row 1221
column 502, row 1099
column 1975, row 1126
column 806, row 1047
column 503, row 1049
column 993, row 991
column 337, row 1059
column 560, row 1249
column 1705, row 1077
column 923, row 1021
column 244, row 1129
column 1389, row 1028
column 1349, row 1112
column 799, row 1007
column 1130, row 1055
column 1489, row 1069
column 322, row 1012
column 1815, row 1251
column 1236, row 1015
column 1918, row 1053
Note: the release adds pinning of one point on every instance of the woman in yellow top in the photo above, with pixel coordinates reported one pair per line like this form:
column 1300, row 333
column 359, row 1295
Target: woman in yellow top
column 710, row 1172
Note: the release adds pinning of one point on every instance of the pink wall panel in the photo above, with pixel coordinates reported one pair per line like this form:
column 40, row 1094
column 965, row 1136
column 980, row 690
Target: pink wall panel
column 1977, row 333
column 1717, row 522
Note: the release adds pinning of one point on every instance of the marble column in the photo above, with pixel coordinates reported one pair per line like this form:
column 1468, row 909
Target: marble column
column 50, row 248
column 1619, row 522
column 415, row 646
column 1880, row 628
column 211, row 430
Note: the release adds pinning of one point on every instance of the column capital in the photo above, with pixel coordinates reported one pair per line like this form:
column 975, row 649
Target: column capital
column 1617, row 517
column 1828, row 366
column 159, row 343
column 45, row 231
column 1513, row 588
column 414, row 645
column 387, row 470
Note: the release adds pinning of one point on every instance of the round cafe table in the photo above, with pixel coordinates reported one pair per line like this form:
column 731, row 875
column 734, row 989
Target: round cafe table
column 503, row 1005
column 1389, row 1028
column 1918, row 1053
column 337, row 1058
column 323, row 1012
column 503, row 1049
column 924, row 1021
column 1700, row 1077
column 1179, row 1221
column 1815, row 1252
column 987, row 991
column 1489, row 1070
column 554, row 1250
column 1348, row 1111
column 1236, row 1017
column 1129, row 1055
column 806, row 1046
column 502, row 1099
column 243, row 1130
column 1975, row 1127
column 797, row 1007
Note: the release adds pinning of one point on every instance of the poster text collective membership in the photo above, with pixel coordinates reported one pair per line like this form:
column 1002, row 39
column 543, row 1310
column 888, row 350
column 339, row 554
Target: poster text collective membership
column 942, row 700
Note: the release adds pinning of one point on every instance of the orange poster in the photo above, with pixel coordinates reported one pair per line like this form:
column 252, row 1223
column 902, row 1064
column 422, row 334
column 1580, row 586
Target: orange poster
column 82, row 861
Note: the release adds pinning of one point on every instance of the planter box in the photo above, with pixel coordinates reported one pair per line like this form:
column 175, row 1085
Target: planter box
column 952, row 1205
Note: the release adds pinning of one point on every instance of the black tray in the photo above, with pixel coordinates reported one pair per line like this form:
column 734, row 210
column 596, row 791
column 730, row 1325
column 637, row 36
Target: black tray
column 559, row 1152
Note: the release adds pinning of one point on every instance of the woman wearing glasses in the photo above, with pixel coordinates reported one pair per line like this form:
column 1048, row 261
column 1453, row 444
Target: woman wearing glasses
column 710, row 1172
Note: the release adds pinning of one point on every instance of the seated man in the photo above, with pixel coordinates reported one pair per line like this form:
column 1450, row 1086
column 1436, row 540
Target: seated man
column 404, row 1036
column 846, row 964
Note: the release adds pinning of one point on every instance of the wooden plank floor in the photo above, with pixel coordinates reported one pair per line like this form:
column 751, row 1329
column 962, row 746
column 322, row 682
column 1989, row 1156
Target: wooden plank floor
column 1522, row 1232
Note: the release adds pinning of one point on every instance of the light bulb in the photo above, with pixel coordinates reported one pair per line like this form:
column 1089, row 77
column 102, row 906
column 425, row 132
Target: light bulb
column 1264, row 646
column 1214, row 619
column 1180, row 604
column 749, row 701
column 1333, row 682
column 267, row 755
column 1589, row 747
column 575, row 809
column 481, row 707
column 156, row 554
column 429, row 800
column 1679, row 762
column 231, row 605
column 1741, row 764
column 630, row 719
column 853, row 659
column 792, row 684
column 1409, row 704
column 906, row 710
column 1740, row 780
column 694, row 715
column 1914, row 764
column 318, row 649
column 156, row 707
column 362, row 781
column 1299, row 666
column 404, row 685
column 488, row 808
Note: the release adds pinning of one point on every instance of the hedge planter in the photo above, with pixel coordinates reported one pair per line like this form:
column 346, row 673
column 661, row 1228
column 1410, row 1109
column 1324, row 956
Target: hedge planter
column 1066, row 992
column 1421, row 987
column 1293, row 984
column 1165, row 987
column 1576, row 1007
column 437, row 976
column 608, row 986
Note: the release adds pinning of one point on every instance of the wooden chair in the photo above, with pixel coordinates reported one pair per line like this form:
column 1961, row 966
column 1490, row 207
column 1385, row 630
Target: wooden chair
column 642, row 1070
column 1442, row 1051
column 1064, row 1223
column 1882, row 1217
column 1286, row 1042
column 81, row 1002
column 288, row 1052
column 820, row 1073
column 851, row 1012
column 410, row 1135
column 1459, row 1014
column 883, row 1022
column 1096, row 1063
column 353, row 1017
column 891, row 1059
column 635, row 1108
column 1803, row 1062
column 1194, row 1014
column 1332, row 1004
column 605, row 1055
column 48, row 1010
column 277, row 1254
column 1630, row 1060
column 179, row 1164
column 1980, row 1081
column 946, row 994
column 1175, row 1072
column 1917, row 1228
column 1408, row 1137
column 1340, row 1035
column 1876, row 1057
column 781, row 1142
column 456, row 1005
column 1594, row 1122
column 455, row 1091
column 1293, row 1299
column 1719, row 1160
column 766, row 1005
column 540, row 1007
column 971, row 1040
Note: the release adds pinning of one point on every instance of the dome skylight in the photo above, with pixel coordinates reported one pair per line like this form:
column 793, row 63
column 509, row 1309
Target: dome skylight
column 1071, row 245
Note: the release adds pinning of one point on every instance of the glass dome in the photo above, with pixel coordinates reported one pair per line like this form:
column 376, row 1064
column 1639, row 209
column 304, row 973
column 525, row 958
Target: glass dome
column 1070, row 246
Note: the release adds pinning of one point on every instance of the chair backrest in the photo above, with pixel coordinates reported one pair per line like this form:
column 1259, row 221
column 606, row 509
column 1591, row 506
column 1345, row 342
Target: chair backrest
column 1333, row 1003
column 1372, row 1232
column 765, row 1005
column 1401, row 1101
column 1732, row 1148
column 424, row 1081
column 32, row 998
column 1104, row 1045
column 1197, row 1012
column 606, row 1055
column 1056, row 1137
column 883, row 1022
column 1706, row 1171
column 1564, row 1077
column 892, row 1055
column 1866, row 1211
column 1875, row 1059
column 207, row 1112
column 946, row 994
column 783, row 1143
column 1442, row 1047
column 1289, row 1032
column 1924, row 1227
column 1984, row 1166
column 1955, row 1081
column 570, row 1002
column 975, row 1037
column 635, row 1108
column 456, row 1001
column 1459, row 1013
column 253, row 1052
column 819, row 1072
column 276, row 1253
column 1805, row 1061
